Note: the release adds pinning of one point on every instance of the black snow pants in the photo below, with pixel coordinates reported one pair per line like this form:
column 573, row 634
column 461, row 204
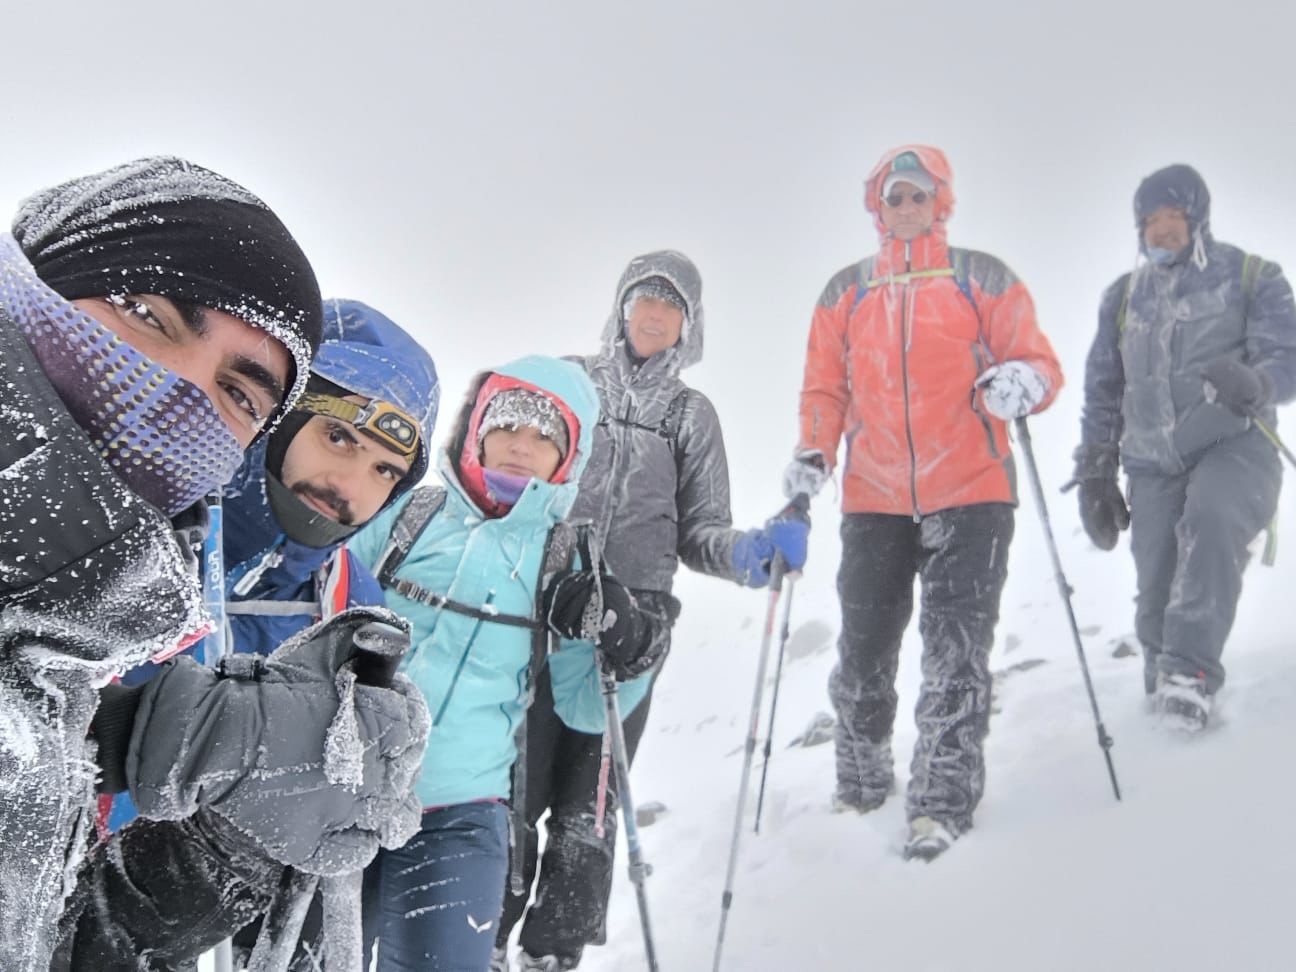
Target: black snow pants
column 1189, row 535
column 571, row 897
column 161, row 893
column 960, row 556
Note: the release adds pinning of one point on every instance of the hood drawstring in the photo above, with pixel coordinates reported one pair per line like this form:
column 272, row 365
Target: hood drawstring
column 1199, row 249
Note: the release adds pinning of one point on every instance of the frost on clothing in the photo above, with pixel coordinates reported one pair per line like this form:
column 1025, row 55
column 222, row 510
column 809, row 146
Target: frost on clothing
column 1203, row 480
column 894, row 352
column 1143, row 382
column 657, row 491
column 266, row 762
column 655, row 502
column 92, row 581
column 473, row 673
column 961, row 557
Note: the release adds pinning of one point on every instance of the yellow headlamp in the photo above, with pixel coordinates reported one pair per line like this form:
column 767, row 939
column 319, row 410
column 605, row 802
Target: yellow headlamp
column 377, row 419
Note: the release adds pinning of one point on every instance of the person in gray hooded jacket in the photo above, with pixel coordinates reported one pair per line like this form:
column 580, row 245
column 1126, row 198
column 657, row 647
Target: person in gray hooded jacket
column 1194, row 349
column 657, row 491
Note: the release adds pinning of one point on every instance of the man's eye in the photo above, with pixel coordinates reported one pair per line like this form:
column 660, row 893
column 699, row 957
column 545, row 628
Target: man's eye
column 245, row 403
column 338, row 435
column 139, row 310
column 389, row 472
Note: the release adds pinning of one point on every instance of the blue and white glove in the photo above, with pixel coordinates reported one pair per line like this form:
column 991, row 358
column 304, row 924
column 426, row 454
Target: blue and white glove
column 806, row 474
column 1011, row 390
column 754, row 551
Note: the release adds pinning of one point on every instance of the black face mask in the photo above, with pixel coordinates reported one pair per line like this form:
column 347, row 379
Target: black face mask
column 301, row 522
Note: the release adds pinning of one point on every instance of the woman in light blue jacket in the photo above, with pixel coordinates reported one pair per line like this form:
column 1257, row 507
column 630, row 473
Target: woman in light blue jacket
column 470, row 585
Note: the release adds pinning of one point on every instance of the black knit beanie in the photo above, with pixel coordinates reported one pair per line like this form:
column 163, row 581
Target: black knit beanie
column 165, row 226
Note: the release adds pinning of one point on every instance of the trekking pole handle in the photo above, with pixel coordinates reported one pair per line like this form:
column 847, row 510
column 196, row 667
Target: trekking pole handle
column 379, row 650
column 798, row 508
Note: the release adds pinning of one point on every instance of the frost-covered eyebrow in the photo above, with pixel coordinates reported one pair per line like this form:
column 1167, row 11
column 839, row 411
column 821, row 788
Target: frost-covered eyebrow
column 195, row 318
column 259, row 373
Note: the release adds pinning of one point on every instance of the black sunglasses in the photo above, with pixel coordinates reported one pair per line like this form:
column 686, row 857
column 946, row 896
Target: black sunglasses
column 896, row 199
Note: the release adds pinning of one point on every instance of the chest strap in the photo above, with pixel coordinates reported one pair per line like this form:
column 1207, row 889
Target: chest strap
column 420, row 594
column 273, row 609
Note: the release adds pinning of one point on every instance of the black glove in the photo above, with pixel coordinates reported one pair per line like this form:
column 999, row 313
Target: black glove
column 111, row 728
column 1238, row 387
column 1103, row 511
column 1102, row 507
column 622, row 632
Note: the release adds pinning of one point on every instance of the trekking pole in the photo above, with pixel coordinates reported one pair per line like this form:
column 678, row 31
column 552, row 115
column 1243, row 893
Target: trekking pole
column 639, row 868
column 215, row 645
column 778, row 677
column 800, row 509
column 1272, row 436
column 213, row 581
column 1064, row 588
column 762, row 662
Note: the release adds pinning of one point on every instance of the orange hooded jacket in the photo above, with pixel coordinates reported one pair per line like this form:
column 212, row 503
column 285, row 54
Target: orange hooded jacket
column 895, row 349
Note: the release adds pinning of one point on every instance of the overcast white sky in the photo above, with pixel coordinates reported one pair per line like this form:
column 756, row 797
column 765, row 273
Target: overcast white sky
column 482, row 171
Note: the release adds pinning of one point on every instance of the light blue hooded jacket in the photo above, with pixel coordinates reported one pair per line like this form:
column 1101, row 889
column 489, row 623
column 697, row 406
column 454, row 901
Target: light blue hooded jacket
column 474, row 673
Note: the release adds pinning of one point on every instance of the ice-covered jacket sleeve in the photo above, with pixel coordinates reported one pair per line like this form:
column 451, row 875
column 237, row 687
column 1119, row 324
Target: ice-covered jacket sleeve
column 825, row 387
column 290, row 749
column 1271, row 331
column 1009, row 324
column 1101, row 421
column 706, row 533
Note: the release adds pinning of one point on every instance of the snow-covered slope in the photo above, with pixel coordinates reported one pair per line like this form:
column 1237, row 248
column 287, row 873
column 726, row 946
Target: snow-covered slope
column 1192, row 871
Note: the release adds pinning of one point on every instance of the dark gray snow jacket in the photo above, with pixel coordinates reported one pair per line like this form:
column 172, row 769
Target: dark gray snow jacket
column 1143, row 381
column 92, row 581
column 657, row 483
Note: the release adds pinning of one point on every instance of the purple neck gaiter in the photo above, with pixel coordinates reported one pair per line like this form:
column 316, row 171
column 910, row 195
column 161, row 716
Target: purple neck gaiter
column 159, row 433
column 504, row 487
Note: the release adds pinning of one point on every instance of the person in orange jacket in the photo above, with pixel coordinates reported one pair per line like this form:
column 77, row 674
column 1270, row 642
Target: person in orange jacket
column 919, row 356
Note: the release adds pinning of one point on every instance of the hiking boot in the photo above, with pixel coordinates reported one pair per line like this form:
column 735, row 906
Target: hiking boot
column 499, row 960
column 1183, row 702
column 852, row 798
column 928, row 839
column 545, row 963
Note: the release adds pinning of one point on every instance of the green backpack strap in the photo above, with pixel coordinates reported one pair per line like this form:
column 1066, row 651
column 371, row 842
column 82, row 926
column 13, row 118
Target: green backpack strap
column 1251, row 267
column 1270, row 555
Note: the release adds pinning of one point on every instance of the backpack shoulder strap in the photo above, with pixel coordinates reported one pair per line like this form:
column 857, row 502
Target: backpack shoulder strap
column 865, row 282
column 673, row 421
column 963, row 278
column 1251, row 267
column 425, row 502
column 1124, row 304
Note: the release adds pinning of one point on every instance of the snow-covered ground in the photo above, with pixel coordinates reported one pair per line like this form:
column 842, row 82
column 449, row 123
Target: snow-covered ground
column 1192, row 871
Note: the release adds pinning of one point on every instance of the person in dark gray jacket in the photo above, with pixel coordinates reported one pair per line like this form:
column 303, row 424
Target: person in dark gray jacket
column 1194, row 349
column 657, row 491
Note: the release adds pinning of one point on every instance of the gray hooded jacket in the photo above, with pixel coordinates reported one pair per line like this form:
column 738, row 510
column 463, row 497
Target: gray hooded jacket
column 656, row 502
column 1143, row 377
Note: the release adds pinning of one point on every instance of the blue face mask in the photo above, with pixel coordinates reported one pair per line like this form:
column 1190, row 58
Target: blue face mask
column 158, row 432
column 1161, row 256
